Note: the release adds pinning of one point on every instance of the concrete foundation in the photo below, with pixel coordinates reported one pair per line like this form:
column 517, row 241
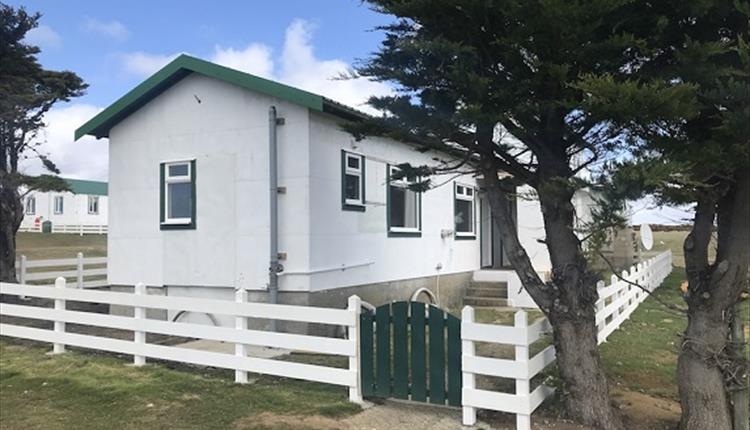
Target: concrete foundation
column 449, row 289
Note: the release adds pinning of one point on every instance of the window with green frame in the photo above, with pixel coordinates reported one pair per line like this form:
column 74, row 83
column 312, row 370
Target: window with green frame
column 404, row 206
column 352, row 181
column 464, row 211
column 177, row 195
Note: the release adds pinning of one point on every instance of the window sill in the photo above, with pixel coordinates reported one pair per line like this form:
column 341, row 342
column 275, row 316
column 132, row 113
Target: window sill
column 465, row 237
column 190, row 225
column 404, row 233
column 353, row 207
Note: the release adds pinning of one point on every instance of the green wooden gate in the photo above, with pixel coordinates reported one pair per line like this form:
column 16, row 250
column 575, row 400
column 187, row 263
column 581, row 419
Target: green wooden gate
column 411, row 351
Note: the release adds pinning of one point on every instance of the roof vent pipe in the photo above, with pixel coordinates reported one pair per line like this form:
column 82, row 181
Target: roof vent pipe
column 274, row 267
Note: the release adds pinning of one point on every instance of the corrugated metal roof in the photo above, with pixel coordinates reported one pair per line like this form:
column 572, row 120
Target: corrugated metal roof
column 82, row 186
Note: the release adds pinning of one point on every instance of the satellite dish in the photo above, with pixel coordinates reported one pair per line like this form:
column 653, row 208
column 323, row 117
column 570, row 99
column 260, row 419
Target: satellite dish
column 647, row 237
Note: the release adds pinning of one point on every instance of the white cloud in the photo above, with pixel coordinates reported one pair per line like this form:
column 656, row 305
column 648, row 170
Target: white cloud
column 86, row 158
column 647, row 211
column 297, row 66
column 145, row 64
column 254, row 59
column 301, row 68
column 43, row 36
column 114, row 29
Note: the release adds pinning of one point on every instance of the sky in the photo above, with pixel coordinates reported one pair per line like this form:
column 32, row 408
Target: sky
column 114, row 46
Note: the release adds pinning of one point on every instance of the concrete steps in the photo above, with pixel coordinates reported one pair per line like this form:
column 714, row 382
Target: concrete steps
column 485, row 302
column 486, row 294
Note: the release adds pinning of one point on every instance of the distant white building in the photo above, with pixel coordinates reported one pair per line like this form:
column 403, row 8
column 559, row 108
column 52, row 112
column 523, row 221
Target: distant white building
column 83, row 209
column 190, row 169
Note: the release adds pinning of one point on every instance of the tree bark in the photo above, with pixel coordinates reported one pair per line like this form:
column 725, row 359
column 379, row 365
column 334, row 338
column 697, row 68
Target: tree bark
column 568, row 300
column 706, row 358
column 11, row 215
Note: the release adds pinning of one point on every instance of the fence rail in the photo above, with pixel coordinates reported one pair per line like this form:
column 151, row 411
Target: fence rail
column 240, row 362
column 616, row 302
column 76, row 270
column 68, row 228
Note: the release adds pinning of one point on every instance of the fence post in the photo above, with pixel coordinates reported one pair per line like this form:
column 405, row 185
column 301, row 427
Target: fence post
column 79, row 270
column 22, row 274
column 469, row 382
column 139, row 336
column 59, row 348
column 523, row 386
column 240, row 323
column 599, row 306
column 22, row 270
column 355, row 364
column 80, row 229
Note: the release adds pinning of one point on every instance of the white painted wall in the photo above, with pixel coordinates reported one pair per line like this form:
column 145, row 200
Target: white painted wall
column 530, row 231
column 345, row 238
column 75, row 210
column 227, row 134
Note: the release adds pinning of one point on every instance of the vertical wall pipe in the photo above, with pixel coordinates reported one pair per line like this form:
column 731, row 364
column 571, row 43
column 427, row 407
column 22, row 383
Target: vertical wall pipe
column 273, row 268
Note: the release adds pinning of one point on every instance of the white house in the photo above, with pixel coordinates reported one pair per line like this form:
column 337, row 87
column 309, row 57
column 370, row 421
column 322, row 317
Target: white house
column 192, row 161
column 83, row 209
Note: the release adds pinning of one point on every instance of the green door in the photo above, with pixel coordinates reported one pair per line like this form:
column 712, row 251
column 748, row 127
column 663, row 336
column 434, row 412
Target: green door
column 411, row 351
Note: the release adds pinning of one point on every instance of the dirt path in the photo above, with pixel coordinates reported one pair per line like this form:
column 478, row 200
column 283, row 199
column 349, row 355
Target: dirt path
column 640, row 411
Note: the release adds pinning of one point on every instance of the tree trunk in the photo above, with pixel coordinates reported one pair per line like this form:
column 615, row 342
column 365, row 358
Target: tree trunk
column 586, row 392
column 702, row 394
column 568, row 300
column 707, row 365
column 11, row 215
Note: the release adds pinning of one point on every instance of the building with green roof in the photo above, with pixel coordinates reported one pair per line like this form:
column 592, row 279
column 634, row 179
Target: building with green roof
column 81, row 210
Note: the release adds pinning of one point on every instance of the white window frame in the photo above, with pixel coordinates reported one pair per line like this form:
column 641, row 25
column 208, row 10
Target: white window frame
column 95, row 200
column 354, row 172
column 30, row 199
column 466, row 193
column 179, row 179
column 56, row 199
column 403, row 183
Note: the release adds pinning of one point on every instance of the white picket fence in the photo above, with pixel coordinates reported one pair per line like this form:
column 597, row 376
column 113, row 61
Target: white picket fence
column 240, row 362
column 619, row 299
column 80, row 229
column 616, row 302
column 62, row 268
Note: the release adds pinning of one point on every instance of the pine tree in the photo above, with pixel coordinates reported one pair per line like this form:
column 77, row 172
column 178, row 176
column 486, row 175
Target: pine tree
column 704, row 159
column 469, row 72
column 27, row 93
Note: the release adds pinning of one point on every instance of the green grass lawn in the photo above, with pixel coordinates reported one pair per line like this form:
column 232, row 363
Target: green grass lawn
column 642, row 354
column 94, row 391
column 39, row 246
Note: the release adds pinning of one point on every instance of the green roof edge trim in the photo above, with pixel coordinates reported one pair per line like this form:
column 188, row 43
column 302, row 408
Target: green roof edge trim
column 84, row 186
column 182, row 66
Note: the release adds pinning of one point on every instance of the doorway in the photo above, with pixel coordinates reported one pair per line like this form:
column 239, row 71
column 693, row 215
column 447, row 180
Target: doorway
column 492, row 253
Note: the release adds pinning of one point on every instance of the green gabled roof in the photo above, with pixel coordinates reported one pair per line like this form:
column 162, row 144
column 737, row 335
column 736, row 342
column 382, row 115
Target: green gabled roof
column 81, row 186
column 184, row 65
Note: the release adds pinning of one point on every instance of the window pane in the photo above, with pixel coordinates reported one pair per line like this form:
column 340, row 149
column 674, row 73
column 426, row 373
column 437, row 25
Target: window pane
column 398, row 203
column 464, row 216
column 351, row 187
column 404, row 210
column 352, row 162
column 178, row 170
column 180, row 200
column 411, row 215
